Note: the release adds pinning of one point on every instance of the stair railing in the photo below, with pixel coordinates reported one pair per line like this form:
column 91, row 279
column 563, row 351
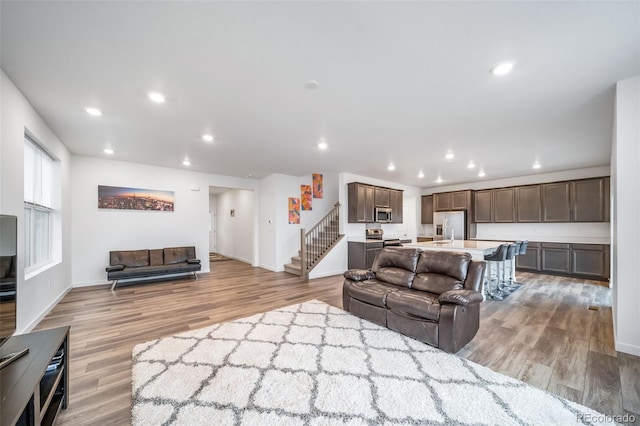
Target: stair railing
column 317, row 242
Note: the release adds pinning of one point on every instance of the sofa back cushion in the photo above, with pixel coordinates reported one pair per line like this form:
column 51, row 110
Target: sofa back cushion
column 7, row 267
column 129, row 258
column 178, row 254
column 396, row 265
column 156, row 257
column 440, row 271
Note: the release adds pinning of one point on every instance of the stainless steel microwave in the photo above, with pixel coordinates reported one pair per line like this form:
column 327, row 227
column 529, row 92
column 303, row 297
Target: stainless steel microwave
column 383, row 214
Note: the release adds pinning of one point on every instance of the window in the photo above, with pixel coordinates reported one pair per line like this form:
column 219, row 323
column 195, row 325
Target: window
column 38, row 205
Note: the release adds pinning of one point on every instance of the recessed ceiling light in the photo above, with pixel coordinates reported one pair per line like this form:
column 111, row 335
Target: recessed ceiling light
column 247, row 176
column 93, row 111
column 391, row 167
column 420, row 174
column 186, row 162
column 449, row 156
column 156, row 97
column 108, row 151
column 312, row 84
column 471, row 165
column 537, row 165
column 502, row 69
column 323, row 145
column 207, row 138
column 439, row 180
column 481, row 174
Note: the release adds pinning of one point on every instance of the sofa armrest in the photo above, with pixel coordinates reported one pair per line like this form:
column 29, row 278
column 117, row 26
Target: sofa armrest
column 359, row 275
column 461, row 297
column 193, row 261
column 114, row 268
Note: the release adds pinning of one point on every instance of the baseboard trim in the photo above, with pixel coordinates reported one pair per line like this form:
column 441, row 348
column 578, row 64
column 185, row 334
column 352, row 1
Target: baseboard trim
column 44, row 313
column 628, row 349
column 325, row 274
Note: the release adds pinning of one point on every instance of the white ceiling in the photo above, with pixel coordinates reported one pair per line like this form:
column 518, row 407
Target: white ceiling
column 399, row 82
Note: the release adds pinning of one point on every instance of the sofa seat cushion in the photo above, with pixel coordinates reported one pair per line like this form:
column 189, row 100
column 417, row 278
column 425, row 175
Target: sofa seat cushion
column 411, row 303
column 372, row 292
column 148, row 271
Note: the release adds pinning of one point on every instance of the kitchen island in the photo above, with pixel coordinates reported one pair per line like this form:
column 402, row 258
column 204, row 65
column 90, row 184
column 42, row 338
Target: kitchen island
column 476, row 248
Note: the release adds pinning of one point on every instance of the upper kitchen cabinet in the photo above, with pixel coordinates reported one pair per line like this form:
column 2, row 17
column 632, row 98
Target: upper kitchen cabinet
column 590, row 200
column 395, row 202
column 426, row 209
column 504, row 205
column 360, row 203
column 382, row 197
column 528, row 205
column 556, row 202
column 459, row 200
column 483, row 206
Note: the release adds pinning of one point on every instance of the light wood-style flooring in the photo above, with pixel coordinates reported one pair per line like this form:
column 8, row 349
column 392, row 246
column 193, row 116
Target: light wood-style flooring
column 543, row 334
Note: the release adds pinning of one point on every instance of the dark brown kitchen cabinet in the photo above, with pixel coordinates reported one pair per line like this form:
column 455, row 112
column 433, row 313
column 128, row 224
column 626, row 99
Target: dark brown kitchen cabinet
column 590, row 260
column 360, row 255
column 529, row 261
column 459, row 200
column 360, row 203
column 590, row 200
column 504, row 205
column 483, row 206
column 442, row 201
column 382, row 197
column 528, row 204
column 556, row 202
column 426, row 209
column 556, row 258
column 395, row 202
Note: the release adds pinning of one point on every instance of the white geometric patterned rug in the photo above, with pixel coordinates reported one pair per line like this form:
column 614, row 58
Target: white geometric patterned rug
column 313, row 364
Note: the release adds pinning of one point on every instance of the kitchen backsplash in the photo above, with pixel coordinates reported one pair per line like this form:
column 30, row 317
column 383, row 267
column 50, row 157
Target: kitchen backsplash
column 597, row 233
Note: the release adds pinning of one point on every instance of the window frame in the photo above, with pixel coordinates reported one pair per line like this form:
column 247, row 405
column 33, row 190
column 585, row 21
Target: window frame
column 31, row 242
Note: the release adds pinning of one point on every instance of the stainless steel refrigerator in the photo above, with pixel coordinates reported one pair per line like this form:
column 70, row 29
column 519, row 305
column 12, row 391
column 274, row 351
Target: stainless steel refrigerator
column 450, row 225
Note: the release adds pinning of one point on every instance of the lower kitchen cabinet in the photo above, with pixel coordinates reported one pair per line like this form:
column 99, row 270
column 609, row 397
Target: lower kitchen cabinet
column 589, row 261
column 556, row 258
column 362, row 254
column 530, row 261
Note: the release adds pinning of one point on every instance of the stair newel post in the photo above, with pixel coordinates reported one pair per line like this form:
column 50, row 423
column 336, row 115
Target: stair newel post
column 303, row 254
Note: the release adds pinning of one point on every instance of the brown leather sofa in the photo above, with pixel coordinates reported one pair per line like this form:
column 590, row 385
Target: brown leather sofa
column 433, row 296
column 132, row 264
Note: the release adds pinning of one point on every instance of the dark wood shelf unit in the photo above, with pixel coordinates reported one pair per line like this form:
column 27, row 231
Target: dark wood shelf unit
column 29, row 394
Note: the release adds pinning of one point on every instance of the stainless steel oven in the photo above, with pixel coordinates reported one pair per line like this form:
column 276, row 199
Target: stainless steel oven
column 383, row 214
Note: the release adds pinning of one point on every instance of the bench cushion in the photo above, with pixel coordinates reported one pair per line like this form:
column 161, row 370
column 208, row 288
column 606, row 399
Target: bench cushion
column 178, row 254
column 129, row 258
column 149, row 271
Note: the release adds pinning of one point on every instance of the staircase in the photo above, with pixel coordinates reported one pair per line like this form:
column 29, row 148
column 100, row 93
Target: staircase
column 315, row 244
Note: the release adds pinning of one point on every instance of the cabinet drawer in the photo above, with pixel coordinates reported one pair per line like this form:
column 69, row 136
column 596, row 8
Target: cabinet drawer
column 556, row 246
column 595, row 247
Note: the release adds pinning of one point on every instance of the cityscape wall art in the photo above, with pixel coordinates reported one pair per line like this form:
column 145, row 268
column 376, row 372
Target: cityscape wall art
column 122, row 198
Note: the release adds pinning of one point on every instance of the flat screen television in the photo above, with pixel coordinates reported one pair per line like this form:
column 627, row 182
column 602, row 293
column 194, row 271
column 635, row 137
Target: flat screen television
column 8, row 284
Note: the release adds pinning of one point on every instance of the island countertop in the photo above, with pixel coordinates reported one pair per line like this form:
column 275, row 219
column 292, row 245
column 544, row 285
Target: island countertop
column 477, row 248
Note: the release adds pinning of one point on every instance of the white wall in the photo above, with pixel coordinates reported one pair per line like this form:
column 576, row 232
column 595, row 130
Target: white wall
column 98, row 231
column 625, row 165
column 235, row 234
column 39, row 293
column 213, row 205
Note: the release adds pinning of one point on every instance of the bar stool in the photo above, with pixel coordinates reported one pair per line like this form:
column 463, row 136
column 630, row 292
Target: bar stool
column 512, row 252
column 496, row 257
column 523, row 250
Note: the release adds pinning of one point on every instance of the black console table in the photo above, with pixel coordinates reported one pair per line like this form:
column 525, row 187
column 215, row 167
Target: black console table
column 35, row 387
